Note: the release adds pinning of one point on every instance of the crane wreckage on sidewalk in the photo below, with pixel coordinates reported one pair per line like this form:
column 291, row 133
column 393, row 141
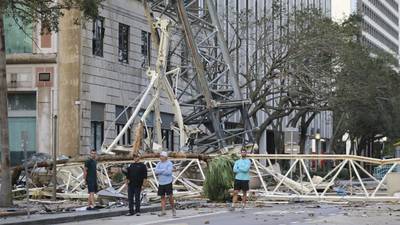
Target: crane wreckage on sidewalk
column 347, row 181
column 204, row 94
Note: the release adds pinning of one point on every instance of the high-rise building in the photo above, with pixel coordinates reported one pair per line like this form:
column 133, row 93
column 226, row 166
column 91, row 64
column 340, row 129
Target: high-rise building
column 380, row 21
column 238, row 18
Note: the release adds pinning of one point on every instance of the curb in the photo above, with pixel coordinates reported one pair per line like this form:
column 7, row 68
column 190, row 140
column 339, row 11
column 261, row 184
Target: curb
column 82, row 216
column 73, row 217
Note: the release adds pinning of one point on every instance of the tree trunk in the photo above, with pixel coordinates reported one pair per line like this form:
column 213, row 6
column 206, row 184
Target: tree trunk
column 336, row 129
column 5, row 189
column 278, row 137
column 303, row 134
column 304, row 124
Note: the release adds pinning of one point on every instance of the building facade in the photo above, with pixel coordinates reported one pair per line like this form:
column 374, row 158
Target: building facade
column 239, row 15
column 67, row 90
column 380, row 21
column 115, row 51
column 31, row 78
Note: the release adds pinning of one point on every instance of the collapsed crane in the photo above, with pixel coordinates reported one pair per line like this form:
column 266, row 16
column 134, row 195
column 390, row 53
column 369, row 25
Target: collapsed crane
column 205, row 96
column 204, row 93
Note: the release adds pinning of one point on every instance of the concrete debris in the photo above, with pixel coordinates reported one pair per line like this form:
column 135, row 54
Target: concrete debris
column 38, row 157
column 84, row 208
column 393, row 181
column 110, row 192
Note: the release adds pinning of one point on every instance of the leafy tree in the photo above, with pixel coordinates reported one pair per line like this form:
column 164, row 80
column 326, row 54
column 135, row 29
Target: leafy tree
column 298, row 77
column 28, row 13
column 311, row 65
column 367, row 97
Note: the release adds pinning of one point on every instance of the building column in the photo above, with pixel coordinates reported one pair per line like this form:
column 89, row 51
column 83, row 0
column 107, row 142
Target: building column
column 69, row 51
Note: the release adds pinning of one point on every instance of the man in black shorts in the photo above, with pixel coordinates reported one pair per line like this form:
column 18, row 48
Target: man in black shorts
column 242, row 177
column 90, row 176
column 164, row 172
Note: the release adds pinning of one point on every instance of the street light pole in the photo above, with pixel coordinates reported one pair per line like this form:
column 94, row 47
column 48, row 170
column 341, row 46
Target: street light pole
column 317, row 146
column 24, row 138
column 54, row 197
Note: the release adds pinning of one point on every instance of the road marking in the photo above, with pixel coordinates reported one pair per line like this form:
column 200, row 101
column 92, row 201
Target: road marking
column 181, row 218
column 271, row 212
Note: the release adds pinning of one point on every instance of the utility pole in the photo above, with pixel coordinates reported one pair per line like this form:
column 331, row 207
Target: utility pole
column 5, row 189
column 24, row 138
column 54, row 197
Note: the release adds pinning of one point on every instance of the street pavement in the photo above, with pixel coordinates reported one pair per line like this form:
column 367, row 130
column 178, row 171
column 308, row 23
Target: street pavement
column 274, row 214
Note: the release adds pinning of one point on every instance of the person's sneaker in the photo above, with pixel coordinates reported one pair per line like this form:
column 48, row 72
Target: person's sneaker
column 129, row 214
column 138, row 214
column 162, row 213
column 89, row 208
column 173, row 212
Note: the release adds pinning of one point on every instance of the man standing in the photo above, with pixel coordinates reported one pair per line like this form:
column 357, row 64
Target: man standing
column 90, row 175
column 164, row 172
column 136, row 175
column 242, row 177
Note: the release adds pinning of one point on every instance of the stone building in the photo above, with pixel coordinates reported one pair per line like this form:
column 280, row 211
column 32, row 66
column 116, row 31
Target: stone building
column 67, row 88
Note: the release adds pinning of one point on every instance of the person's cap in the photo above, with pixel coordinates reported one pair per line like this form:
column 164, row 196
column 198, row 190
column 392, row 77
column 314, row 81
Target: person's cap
column 163, row 154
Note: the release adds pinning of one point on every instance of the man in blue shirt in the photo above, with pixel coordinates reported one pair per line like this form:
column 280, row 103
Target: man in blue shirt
column 241, row 169
column 164, row 172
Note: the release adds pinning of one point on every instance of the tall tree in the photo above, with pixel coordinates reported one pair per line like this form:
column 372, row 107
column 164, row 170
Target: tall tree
column 28, row 13
column 292, row 71
column 367, row 96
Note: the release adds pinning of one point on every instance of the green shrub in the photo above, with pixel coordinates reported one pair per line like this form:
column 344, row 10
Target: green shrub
column 219, row 178
column 118, row 177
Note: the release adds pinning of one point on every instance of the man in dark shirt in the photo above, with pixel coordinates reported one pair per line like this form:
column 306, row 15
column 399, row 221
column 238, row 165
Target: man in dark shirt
column 90, row 175
column 136, row 175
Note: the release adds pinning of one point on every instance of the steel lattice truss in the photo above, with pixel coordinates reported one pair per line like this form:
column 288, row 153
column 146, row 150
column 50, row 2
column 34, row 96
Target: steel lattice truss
column 206, row 85
column 295, row 182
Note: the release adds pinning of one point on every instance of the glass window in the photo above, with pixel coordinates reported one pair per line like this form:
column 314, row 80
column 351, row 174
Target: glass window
column 17, row 40
column 123, row 43
column 21, row 101
column 96, row 125
column 97, row 135
column 168, row 139
column 120, row 123
column 98, row 36
column 146, row 48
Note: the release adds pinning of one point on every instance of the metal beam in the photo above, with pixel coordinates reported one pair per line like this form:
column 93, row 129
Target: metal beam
column 201, row 74
column 233, row 77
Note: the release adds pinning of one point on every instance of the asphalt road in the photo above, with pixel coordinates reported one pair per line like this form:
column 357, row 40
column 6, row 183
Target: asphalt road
column 270, row 214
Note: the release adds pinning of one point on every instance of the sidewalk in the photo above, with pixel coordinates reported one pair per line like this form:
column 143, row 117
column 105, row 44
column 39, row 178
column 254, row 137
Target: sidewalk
column 40, row 219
